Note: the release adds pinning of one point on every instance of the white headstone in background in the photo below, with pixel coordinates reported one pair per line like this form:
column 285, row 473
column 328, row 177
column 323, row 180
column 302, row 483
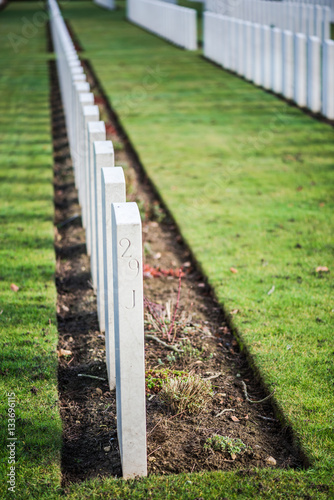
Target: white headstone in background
column 89, row 114
column 266, row 57
column 129, row 338
column 313, row 74
column 248, row 62
column 103, row 157
column 96, row 132
column 113, row 191
column 328, row 79
column 276, row 61
column 288, row 62
column 257, row 54
column 300, row 73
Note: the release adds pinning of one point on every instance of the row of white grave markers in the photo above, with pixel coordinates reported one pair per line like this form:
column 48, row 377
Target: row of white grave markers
column 323, row 3
column 113, row 236
column 298, row 67
column 106, row 4
column 172, row 22
column 312, row 20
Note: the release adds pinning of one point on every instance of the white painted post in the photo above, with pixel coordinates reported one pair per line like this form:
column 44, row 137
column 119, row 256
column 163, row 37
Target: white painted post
column 314, row 74
column 328, row 79
column 96, row 132
column 276, row 61
column 103, row 157
column 300, row 74
column 288, row 61
column 129, row 338
column 113, row 191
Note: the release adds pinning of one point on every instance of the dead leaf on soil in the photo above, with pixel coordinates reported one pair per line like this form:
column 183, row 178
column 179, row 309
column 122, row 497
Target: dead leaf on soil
column 14, row 287
column 233, row 270
column 234, row 418
column 64, row 352
column 322, row 269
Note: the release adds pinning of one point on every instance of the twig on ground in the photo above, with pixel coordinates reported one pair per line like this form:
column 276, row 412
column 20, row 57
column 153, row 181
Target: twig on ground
column 244, row 387
column 67, row 221
column 161, row 420
column 171, row 347
column 176, row 306
column 223, row 411
column 90, row 376
column 213, row 376
column 267, row 418
column 154, row 451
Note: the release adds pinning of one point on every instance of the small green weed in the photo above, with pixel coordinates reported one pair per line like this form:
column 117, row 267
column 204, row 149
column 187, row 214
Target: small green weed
column 156, row 378
column 233, row 446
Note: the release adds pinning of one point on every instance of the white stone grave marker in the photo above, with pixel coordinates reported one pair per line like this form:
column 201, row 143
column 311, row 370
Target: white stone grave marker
column 113, row 191
column 129, row 338
column 103, row 157
column 96, row 132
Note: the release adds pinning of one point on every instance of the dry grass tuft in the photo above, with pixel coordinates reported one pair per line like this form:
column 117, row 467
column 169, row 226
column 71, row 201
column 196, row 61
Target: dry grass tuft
column 189, row 394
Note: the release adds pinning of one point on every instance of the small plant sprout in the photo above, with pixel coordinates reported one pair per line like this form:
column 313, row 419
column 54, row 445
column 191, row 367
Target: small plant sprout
column 187, row 394
column 233, row 446
column 156, row 378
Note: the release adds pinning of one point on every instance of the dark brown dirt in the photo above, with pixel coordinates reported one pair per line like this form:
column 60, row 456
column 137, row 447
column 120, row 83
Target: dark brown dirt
column 175, row 442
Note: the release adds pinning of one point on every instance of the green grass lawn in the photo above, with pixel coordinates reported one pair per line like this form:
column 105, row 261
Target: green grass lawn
column 249, row 180
column 28, row 333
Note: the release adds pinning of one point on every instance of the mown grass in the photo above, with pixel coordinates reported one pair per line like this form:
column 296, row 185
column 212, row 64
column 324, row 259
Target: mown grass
column 248, row 179
column 28, row 333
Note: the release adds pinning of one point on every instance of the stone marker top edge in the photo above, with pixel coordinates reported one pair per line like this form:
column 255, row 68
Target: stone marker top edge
column 300, row 36
column 103, row 148
column 126, row 213
column 82, row 86
column 265, row 28
column 314, row 38
column 113, row 175
column 76, row 70
column 96, row 127
column 81, row 77
column 91, row 110
column 86, row 97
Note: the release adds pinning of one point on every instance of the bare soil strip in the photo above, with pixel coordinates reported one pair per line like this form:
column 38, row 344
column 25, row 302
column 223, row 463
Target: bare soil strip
column 88, row 409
